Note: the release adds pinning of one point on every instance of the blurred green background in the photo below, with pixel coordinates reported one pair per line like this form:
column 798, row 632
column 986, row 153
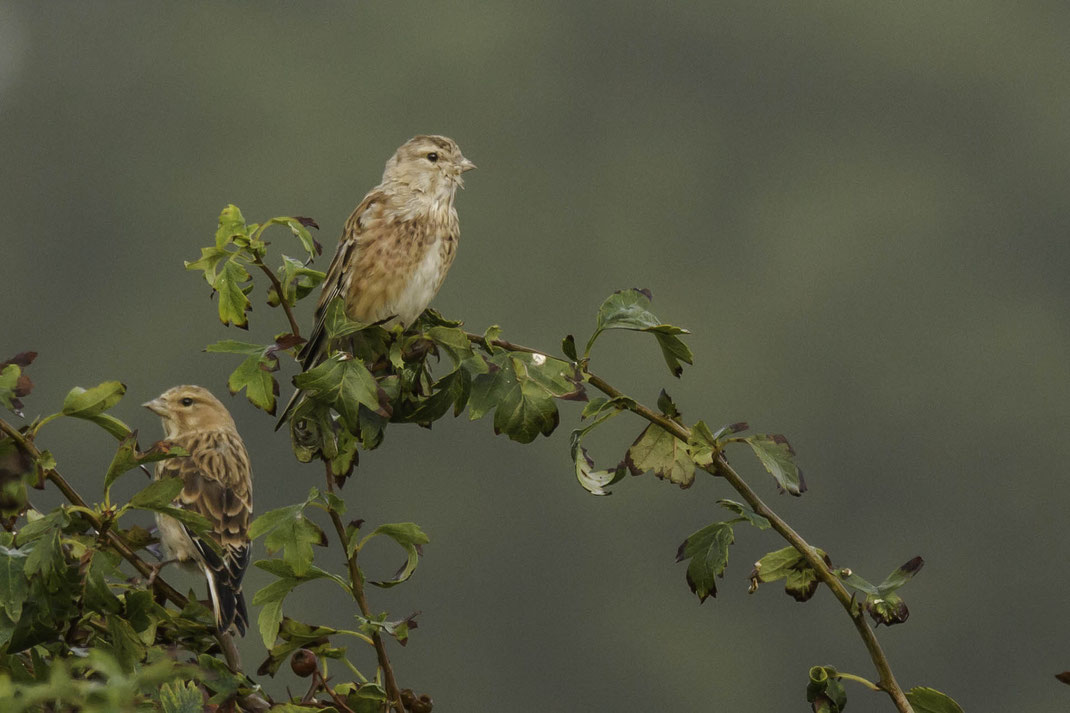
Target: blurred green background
column 859, row 209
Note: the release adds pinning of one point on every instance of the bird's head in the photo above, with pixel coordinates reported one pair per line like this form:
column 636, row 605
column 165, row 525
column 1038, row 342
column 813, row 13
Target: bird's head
column 189, row 408
column 429, row 164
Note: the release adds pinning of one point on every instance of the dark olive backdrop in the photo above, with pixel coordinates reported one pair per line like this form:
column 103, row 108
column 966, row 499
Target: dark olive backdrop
column 860, row 209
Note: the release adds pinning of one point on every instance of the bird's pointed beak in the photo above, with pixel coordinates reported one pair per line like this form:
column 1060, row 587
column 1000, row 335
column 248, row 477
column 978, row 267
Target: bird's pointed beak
column 466, row 165
column 156, row 406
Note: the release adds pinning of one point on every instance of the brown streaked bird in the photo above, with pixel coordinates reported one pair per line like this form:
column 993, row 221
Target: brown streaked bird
column 217, row 483
column 397, row 245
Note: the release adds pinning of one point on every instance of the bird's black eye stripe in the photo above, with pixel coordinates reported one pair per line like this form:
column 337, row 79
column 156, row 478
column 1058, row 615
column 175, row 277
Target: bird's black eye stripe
column 432, row 157
column 187, row 401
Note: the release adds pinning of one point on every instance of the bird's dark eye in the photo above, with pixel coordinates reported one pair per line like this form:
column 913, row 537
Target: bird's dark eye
column 432, row 157
column 187, row 401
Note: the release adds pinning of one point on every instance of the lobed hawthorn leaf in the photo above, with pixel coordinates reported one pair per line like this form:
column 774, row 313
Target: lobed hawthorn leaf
column 158, row 497
column 595, row 481
column 658, row 450
column 667, row 406
column 299, row 227
column 337, row 323
column 157, row 494
column 524, row 411
column 452, row 390
column 289, row 530
column 254, row 375
column 901, row 576
column 14, row 382
column 568, row 347
column 233, row 346
column 14, row 587
column 630, row 309
column 231, row 225
column 128, row 457
column 268, row 621
column 297, row 281
column 745, row 513
column 521, row 392
column 233, row 299
column 87, row 403
column 882, row 603
column 674, row 351
column 825, row 691
column 707, row 550
column 800, row 579
column 778, row 457
column 887, row 609
column 37, row 527
column 208, row 262
column 702, row 446
column 344, row 384
column 929, row 700
column 411, row 538
column 9, row 379
column 181, row 697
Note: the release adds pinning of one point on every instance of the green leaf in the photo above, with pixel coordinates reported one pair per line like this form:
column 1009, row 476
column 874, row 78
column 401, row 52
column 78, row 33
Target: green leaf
column 887, row 609
column 825, row 691
column 778, row 457
column 209, row 263
column 233, row 303
column 289, row 530
column 111, row 424
column 297, row 281
column 254, row 375
column 268, row 622
column 658, row 450
column 231, row 224
column 568, row 347
column 702, row 446
column 157, row 495
column 301, row 233
column 666, row 405
column 929, row 700
column 87, row 403
column 707, row 550
column 337, row 323
column 411, row 538
column 344, row 384
column 232, row 346
column 127, row 457
column 630, row 309
column 524, row 411
column 39, row 526
column 745, row 513
column 9, row 379
column 790, row 565
column 181, row 697
column 595, row 481
column 674, row 351
column 558, row 378
column 901, row 576
column 14, row 587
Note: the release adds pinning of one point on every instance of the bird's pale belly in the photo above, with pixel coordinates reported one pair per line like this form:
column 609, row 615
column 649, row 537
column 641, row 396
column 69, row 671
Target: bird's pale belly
column 421, row 288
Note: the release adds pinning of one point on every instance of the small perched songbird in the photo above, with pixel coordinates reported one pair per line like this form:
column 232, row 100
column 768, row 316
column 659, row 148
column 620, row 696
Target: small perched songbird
column 397, row 245
column 217, row 483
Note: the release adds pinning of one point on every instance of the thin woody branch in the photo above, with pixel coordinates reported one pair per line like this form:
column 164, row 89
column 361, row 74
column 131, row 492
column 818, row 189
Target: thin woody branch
column 294, row 329
column 356, row 580
column 720, row 467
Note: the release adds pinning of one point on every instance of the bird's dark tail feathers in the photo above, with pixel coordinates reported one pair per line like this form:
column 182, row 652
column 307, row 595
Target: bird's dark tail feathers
column 224, row 575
